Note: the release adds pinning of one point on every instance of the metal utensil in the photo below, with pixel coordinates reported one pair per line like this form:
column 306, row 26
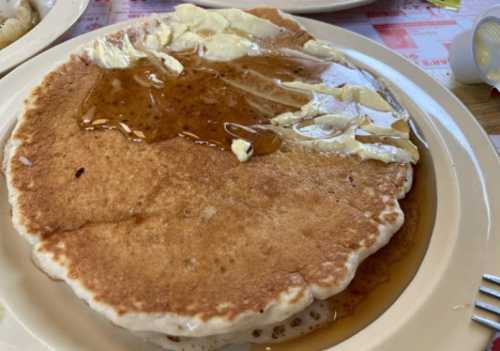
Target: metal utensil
column 486, row 306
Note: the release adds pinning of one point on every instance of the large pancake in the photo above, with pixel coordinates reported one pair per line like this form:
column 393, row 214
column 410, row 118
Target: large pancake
column 314, row 316
column 183, row 239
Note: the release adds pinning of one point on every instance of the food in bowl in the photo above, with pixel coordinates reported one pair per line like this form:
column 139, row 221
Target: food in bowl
column 17, row 17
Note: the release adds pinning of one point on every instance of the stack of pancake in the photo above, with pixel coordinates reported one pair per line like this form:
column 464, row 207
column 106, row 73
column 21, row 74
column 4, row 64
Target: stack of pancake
column 209, row 177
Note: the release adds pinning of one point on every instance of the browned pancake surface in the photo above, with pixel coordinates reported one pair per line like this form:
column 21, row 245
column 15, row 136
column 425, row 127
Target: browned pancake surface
column 183, row 228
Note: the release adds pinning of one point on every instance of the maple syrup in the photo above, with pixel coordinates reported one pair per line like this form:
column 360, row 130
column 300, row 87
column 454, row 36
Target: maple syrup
column 382, row 277
column 147, row 103
column 213, row 103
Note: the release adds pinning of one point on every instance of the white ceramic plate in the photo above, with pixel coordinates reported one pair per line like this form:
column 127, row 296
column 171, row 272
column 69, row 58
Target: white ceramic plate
column 57, row 17
column 434, row 311
column 292, row 6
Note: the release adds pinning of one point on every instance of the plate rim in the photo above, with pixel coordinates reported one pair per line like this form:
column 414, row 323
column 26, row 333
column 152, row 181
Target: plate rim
column 28, row 45
column 485, row 149
column 323, row 6
column 492, row 163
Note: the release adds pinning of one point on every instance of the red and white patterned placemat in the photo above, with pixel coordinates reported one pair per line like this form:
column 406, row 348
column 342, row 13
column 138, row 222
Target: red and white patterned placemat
column 414, row 28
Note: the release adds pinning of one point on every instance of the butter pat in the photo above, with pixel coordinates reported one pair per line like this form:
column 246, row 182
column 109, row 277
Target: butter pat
column 250, row 24
column 320, row 104
column 169, row 61
column 227, row 47
column 242, row 149
column 108, row 55
column 336, row 121
column 346, row 143
column 159, row 38
column 198, row 19
column 322, row 49
column 363, row 95
column 187, row 41
column 111, row 56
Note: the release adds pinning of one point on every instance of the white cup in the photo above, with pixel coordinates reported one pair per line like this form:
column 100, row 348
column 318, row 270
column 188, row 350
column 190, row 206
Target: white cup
column 475, row 53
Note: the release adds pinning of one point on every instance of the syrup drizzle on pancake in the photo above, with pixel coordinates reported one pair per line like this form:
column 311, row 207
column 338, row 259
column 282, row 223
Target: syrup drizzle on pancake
column 204, row 104
column 212, row 103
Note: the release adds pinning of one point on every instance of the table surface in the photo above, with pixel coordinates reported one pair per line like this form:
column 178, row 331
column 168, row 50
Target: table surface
column 414, row 28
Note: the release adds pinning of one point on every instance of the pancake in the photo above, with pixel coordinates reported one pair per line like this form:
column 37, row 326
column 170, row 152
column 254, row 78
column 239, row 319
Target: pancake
column 171, row 236
column 311, row 318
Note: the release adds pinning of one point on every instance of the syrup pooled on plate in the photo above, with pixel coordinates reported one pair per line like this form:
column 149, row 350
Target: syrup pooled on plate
column 382, row 277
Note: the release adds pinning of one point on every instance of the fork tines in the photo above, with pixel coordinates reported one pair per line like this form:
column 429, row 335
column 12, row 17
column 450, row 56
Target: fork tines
column 486, row 306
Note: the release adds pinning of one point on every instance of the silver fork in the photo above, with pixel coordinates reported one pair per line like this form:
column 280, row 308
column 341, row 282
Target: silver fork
column 486, row 306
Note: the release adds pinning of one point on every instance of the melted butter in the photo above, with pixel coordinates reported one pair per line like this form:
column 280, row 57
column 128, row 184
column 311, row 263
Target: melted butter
column 210, row 102
column 264, row 141
column 198, row 71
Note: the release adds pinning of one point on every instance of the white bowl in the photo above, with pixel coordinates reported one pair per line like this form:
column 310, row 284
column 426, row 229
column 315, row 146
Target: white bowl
column 56, row 18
